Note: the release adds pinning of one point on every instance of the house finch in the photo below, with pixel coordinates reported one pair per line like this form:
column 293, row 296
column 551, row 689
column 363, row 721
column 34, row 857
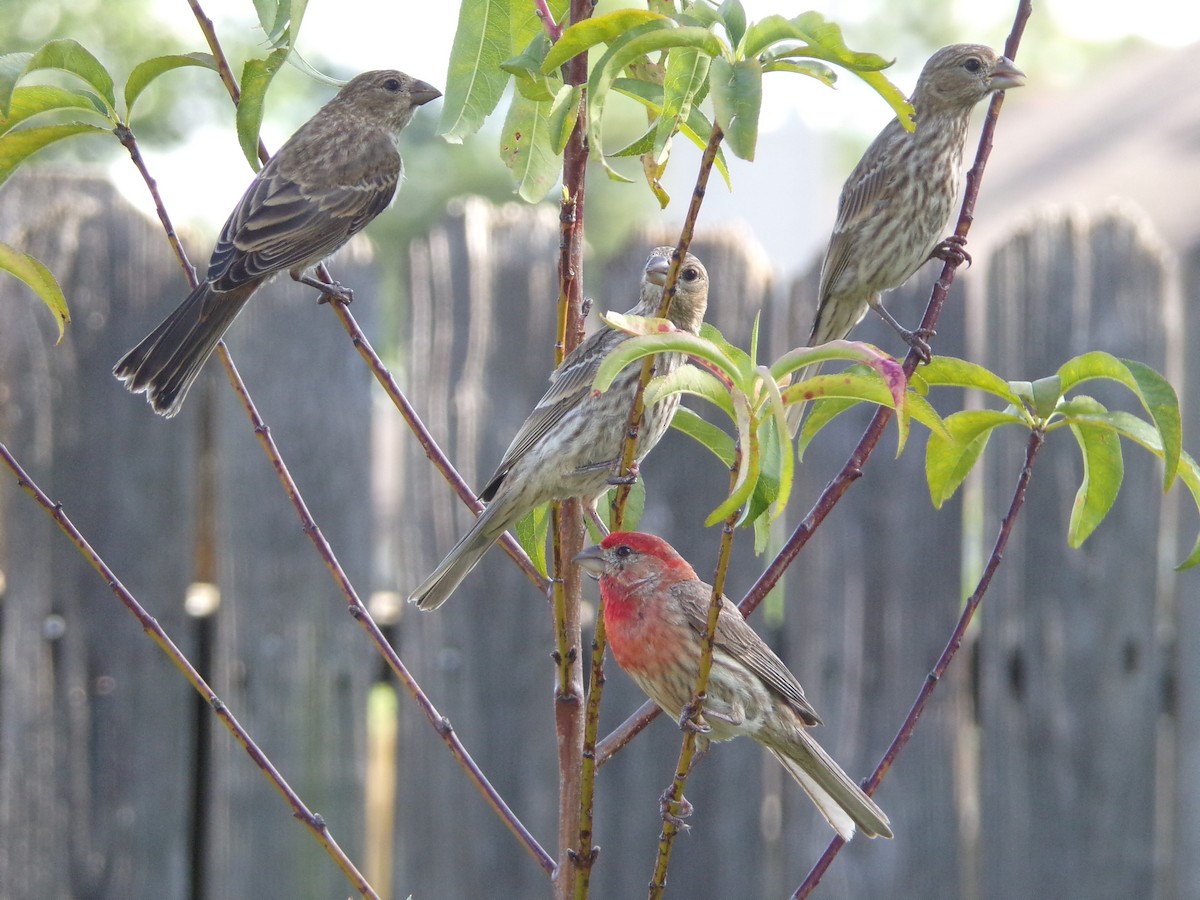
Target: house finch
column 897, row 202
column 655, row 615
column 332, row 177
column 570, row 446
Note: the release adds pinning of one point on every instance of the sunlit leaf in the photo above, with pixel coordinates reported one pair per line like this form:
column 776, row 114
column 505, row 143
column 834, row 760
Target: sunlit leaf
column 531, row 532
column 950, row 455
column 596, row 30
column 18, row 145
column 474, row 80
column 40, row 279
column 687, row 73
column 36, row 99
column 526, row 148
column 147, row 70
column 1103, row 472
column 71, row 56
column 737, row 102
column 256, row 79
column 949, row 371
column 705, row 433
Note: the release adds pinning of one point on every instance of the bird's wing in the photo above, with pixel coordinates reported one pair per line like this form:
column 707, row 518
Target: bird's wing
column 738, row 639
column 570, row 384
column 287, row 219
column 866, row 186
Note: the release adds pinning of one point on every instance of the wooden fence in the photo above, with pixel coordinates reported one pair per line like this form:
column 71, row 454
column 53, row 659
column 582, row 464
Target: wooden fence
column 1058, row 758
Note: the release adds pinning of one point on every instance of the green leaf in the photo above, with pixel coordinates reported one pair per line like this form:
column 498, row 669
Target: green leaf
column 649, row 38
column 691, row 380
column 30, row 101
column 1152, row 390
column 12, row 67
column 687, row 74
column 40, row 279
column 17, row 146
column 635, row 506
column 527, row 69
column 949, row 371
column 564, row 112
column 748, row 465
column 950, row 456
column 582, row 36
column 657, row 336
column 256, row 78
column 1103, row 472
column 705, row 433
column 474, row 80
column 147, row 70
column 737, row 102
column 531, row 533
column 811, row 68
column 1045, row 394
column 733, row 15
column 71, row 56
column 697, row 129
column 526, row 148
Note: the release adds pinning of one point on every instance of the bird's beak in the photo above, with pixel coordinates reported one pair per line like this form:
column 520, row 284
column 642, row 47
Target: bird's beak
column 421, row 93
column 656, row 270
column 1006, row 75
column 591, row 560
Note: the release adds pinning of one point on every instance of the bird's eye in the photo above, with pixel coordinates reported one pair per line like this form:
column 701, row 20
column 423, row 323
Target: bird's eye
column 393, row 85
column 624, row 550
column 691, row 273
column 973, row 64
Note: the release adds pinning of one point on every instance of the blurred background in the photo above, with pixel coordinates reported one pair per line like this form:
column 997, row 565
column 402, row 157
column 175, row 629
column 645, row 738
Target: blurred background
column 1058, row 756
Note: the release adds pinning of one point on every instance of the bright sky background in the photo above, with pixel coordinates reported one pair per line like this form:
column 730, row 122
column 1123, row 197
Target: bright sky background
column 416, row 37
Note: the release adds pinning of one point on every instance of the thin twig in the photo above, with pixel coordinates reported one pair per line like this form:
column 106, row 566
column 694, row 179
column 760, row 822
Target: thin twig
column 313, row 822
column 433, row 452
column 1036, row 438
column 673, row 799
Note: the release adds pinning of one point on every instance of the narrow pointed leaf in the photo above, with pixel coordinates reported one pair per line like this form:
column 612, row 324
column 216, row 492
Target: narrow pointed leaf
column 705, row 433
column 1103, row 472
column 474, row 80
column 531, row 533
column 603, row 29
column 526, row 148
column 256, row 79
column 949, row 371
column 146, row 71
column 950, row 456
column 18, row 145
column 36, row 99
column 40, row 279
column 737, row 102
column 71, row 56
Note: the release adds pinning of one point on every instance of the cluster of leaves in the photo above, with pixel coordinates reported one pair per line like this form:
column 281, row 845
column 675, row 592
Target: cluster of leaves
column 667, row 60
column 761, row 452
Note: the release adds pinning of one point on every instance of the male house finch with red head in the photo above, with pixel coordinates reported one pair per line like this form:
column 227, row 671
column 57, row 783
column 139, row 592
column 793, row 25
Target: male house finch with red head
column 655, row 615
column 333, row 176
column 570, row 446
column 896, row 204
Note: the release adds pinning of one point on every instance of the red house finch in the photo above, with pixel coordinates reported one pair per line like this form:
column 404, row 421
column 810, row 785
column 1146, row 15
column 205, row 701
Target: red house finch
column 570, row 446
column 333, row 176
column 655, row 614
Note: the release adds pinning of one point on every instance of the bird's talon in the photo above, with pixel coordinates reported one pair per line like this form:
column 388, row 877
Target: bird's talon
column 685, row 810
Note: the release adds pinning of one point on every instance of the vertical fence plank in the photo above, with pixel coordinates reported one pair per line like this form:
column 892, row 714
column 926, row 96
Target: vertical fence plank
column 1071, row 667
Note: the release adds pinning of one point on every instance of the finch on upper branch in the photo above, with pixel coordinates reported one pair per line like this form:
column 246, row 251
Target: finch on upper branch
column 655, row 615
column 570, row 446
column 895, row 206
column 333, row 176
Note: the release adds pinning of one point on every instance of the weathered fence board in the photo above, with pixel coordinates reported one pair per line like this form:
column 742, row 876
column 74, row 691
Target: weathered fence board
column 1056, row 756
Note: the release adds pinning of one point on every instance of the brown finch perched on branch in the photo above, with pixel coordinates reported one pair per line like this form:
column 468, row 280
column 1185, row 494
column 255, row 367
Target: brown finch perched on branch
column 570, row 446
column 333, row 176
column 655, row 615
column 896, row 204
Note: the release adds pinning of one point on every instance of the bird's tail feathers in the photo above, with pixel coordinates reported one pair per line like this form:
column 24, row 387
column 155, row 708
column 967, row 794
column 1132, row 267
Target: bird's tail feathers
column 840, row 800
column 167, row 360
column 485, row 531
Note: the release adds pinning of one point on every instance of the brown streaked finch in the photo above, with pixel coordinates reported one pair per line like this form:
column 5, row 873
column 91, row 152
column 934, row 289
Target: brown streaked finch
column 895, row 206
column 571, row 444
column 333, row 176
column 655, row 616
